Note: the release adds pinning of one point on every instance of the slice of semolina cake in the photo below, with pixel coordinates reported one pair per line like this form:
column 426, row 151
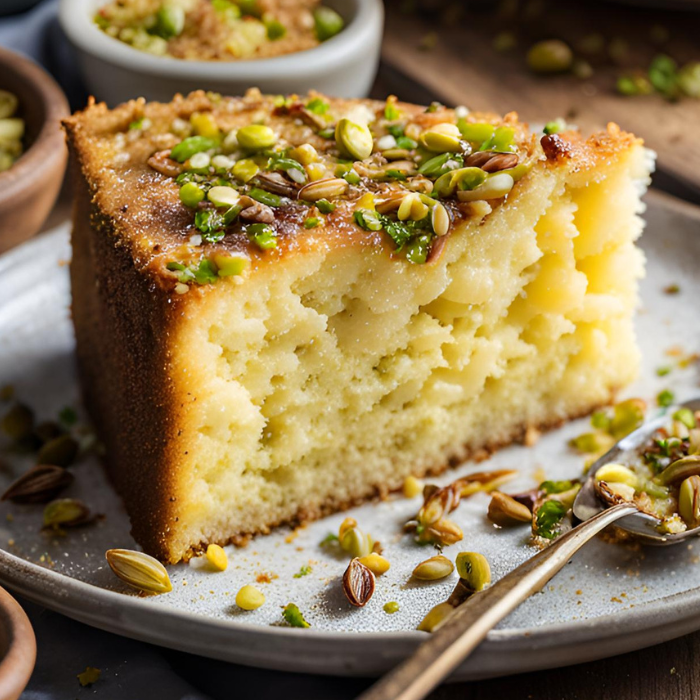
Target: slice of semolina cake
column 284, row 306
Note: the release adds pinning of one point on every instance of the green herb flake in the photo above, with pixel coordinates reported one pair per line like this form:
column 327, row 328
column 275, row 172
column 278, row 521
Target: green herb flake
column 396, row 130
column 141, row 123
column 549, row 516
column 317, row 106
column 272, row 200
column 327, row 133
column 263, row 235
column 394, row 174
column 368, row 219
column 550, row 487
column 191, row 145
column 324, row 206
column 663, row 371
column 293, row 616
column 665, row 398
column 304, row 571
column 330, row 538
column 68, row 416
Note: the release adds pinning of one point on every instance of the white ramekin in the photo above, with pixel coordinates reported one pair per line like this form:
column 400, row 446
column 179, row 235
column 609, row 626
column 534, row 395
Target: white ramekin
column 344, row 66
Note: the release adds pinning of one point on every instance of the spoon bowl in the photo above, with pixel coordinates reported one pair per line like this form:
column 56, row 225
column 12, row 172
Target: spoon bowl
column 641, row 525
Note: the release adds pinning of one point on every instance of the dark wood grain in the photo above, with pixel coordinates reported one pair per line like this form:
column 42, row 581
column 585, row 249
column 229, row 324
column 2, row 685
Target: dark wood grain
column 464, row 68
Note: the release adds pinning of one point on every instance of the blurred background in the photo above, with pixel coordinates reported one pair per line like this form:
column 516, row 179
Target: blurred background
column 635, row 63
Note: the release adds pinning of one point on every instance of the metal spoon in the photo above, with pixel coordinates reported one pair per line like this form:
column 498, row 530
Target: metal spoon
column 467, row 627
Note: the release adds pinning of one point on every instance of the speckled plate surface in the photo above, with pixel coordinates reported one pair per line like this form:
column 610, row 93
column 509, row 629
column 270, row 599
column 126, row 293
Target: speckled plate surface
column 608, row 600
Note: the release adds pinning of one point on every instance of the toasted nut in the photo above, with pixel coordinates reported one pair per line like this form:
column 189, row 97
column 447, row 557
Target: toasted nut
column 354, row 140
column 139, row 570
column 305, row 154
column 245, row 170
column 162, row 162
column 443, row 532
column 18, row 422
column 435, row 617
column 389, row 204
column 324, row 189
column 376, row 563
column 249, row 598
column 39, row 485
column 60, row 451
column 491, row 162
column 66, row 512
column 495, row 187
column 256, row 137
column 222, row 196
column 679, row 470
column 474, row 570
column 434, row 569
column 689, row 501
column 356, row 543
column 358, row 583
column 216, row 556
column 616, row 474
column 440, row 220
column 257, row 212
column 627, row 416
column 440, row 141
column 504, row 510
column 315, row 171
column 408, row 202
column 412, row 487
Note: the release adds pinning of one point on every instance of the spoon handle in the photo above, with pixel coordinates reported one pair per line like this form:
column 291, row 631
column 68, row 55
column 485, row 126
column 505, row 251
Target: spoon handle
column 466, row 628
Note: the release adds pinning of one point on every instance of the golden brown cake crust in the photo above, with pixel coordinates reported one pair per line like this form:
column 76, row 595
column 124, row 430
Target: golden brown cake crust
column 128, row 222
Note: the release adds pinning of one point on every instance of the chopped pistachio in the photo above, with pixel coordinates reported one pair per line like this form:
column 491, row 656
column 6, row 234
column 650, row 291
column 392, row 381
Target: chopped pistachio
column 550, row 56
column 391, row 607
column 256, row 137
column 293, row 616
column 304, row 571
column 665, row 398
column 327, row 22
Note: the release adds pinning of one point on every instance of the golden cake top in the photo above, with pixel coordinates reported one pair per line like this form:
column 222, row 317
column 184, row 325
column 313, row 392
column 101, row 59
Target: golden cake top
column 213, row 181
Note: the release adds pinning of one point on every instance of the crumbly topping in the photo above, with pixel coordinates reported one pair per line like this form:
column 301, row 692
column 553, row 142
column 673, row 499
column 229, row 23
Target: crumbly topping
column 256, row 177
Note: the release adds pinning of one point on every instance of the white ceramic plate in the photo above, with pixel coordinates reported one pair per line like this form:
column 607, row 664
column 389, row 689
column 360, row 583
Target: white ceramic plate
column 607, row 601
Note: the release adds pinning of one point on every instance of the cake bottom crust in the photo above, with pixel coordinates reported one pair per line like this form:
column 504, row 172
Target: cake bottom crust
column 306, row 514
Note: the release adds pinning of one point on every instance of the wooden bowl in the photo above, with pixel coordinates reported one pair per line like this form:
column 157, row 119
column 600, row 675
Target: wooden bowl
column 17, row 648
column 29, row 188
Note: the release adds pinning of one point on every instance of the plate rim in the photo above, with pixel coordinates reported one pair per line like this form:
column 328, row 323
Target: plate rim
column 606, row 635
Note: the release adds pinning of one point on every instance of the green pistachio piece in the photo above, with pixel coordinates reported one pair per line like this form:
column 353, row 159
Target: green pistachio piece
column 256, row 137
column 354, row 140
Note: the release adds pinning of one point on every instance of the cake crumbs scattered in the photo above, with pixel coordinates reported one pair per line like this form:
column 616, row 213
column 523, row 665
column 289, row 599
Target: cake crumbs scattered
column 265, row 577
column 89, row 676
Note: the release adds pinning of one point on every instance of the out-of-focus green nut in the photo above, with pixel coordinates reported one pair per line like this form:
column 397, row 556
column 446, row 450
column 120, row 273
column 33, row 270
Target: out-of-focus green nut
column 551, row 56
column 354, row 140
column 474, row 570
column 18, row 422
column 627, row 416
column 61, row 451
column 256, row 137
column 170, row 21
column 689, row 501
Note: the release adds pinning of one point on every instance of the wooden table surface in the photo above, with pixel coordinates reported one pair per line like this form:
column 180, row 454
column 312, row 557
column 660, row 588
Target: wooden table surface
column 462, row 66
